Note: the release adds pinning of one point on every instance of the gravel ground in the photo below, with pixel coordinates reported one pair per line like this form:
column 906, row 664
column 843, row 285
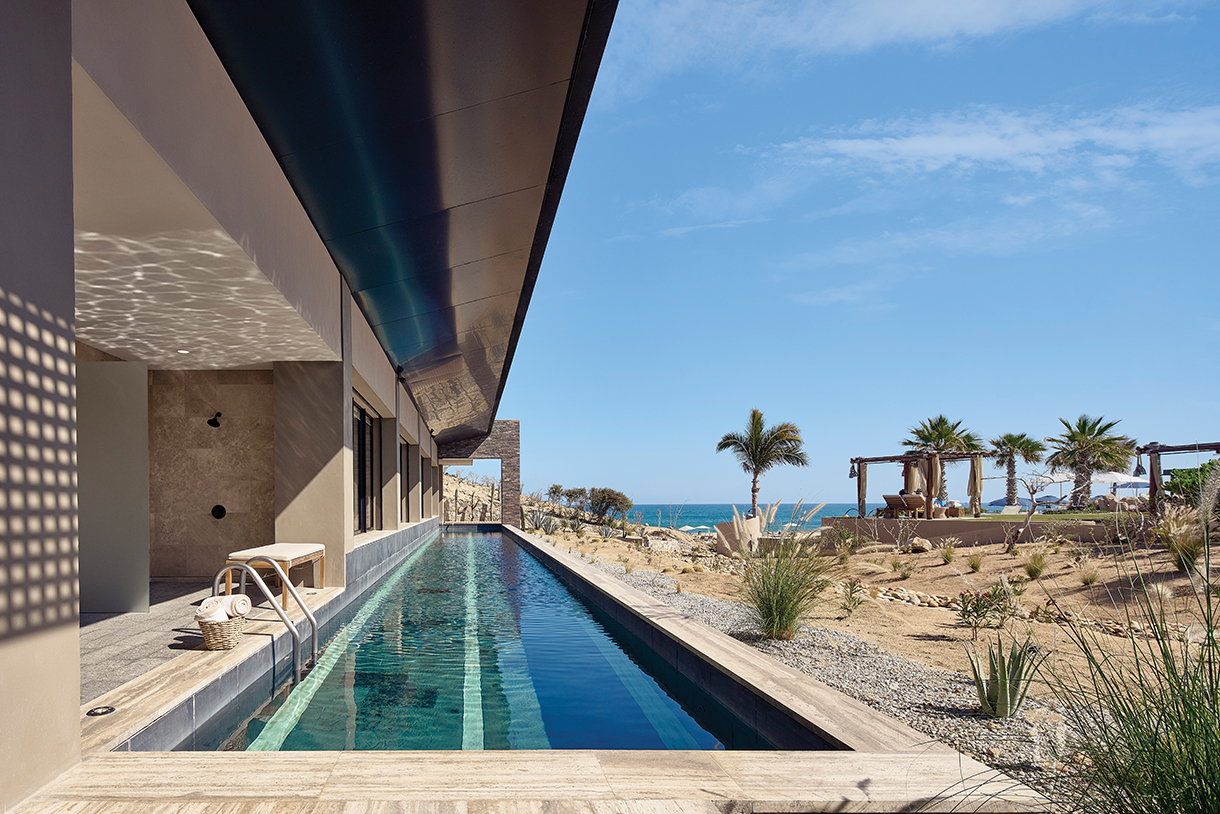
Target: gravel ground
column 941, row 703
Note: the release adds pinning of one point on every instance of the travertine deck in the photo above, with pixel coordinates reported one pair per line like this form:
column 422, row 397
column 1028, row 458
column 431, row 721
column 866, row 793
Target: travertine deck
column 510, row 782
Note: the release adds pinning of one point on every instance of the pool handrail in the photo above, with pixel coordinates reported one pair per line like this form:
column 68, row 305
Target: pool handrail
column 275, row 604
column 313, row 622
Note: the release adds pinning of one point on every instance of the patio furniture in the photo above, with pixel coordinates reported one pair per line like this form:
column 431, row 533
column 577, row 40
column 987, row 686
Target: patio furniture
column 288, row 555
column 902, row 505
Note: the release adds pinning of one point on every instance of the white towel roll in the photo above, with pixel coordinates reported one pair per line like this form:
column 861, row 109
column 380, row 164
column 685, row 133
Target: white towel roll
column 236, row 605
column 211, row 609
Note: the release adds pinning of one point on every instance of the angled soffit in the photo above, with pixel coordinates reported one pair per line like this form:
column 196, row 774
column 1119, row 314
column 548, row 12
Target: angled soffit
column 429, row 141
column 155, row 272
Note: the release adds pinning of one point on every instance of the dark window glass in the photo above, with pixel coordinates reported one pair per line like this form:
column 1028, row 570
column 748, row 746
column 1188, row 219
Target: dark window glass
column 364, row 449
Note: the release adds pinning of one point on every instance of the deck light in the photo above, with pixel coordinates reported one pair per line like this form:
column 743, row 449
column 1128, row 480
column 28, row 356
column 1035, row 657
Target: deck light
column 184, row 351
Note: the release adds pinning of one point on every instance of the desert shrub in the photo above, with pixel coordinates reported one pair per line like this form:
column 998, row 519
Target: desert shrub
column 975, row 561
column 990, row 608
column 782, row 587
column 1088, row 575
column 1034, row 563
column 948, row 548
column 853, row 595
column 1008, row 680
column 906, row 569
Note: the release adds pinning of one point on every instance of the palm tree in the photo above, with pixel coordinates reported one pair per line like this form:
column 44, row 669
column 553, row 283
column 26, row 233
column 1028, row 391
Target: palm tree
column 940, row 435
column 1007, row 449
column 760, row 447
column 1086, row 446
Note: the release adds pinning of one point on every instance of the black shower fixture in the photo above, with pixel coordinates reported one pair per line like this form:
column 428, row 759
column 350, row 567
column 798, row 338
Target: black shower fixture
column 214, row 421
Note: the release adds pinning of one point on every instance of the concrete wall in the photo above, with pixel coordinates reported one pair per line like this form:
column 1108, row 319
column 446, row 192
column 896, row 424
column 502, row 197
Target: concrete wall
column 194, row 467
column 969, row 531
column 112, row 483
column 39, row 640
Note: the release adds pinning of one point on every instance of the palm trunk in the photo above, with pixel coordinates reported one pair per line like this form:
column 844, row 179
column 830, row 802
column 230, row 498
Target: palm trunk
column 754, row 497
column 1080, row 490
column 944, row 487
column 1010, row 499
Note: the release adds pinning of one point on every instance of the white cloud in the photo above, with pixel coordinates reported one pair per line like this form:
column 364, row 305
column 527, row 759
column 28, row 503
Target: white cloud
column 678, row 231
column 999, row 235
column 654, row 38
column 1035, row 143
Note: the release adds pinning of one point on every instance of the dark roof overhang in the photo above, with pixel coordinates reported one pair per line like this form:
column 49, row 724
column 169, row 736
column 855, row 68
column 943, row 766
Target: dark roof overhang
column 429, row 142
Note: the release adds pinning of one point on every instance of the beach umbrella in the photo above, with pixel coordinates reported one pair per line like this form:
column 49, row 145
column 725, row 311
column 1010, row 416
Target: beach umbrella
column 1023, row 502
column 1114, row 477
column 1054, row 477
column 687, row 528
column 703, row 528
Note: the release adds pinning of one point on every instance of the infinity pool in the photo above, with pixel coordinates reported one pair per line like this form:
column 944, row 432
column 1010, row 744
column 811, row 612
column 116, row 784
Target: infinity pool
column 472, row 644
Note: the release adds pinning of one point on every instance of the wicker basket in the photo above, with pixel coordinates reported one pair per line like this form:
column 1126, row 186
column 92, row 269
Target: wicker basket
column 222, row 635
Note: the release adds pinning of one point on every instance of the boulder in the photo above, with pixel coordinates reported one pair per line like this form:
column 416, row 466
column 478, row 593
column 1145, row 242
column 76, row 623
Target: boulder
column 919, row 545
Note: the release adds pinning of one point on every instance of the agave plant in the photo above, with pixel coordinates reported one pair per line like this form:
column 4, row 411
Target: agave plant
column 1003, row 692
column 548, row 525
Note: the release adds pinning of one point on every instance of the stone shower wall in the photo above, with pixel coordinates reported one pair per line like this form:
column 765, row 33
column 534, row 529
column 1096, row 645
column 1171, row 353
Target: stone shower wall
column 193, row 467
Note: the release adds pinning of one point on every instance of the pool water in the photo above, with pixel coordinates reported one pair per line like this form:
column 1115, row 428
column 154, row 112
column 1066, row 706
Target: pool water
column 472, row 644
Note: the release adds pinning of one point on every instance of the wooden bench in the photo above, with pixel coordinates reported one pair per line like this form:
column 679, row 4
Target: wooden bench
column 287, row 556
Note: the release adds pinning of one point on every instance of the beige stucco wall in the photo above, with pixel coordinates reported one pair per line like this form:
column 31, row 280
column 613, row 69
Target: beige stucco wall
column 193, row 467
column 313, row 460
column 39, row 633
column 372, row 374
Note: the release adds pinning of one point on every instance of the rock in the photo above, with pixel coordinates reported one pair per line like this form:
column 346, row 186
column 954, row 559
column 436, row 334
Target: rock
column 919, row 545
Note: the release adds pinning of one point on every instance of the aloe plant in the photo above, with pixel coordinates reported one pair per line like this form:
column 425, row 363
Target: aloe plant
column 1003, row 692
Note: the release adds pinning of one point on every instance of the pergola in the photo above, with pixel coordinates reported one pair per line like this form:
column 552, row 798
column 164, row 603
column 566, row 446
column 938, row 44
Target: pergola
column 1154, row 451
column 930, row 461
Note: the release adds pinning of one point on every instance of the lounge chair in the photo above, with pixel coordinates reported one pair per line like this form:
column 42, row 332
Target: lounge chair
column 902, row 505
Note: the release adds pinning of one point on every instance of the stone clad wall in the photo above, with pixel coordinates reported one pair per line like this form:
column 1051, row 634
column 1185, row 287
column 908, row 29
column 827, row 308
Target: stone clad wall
column 503, row 442
column 193, row 467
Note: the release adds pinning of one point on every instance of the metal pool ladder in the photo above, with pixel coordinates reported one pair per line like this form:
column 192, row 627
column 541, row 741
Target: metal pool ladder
column 245, row 568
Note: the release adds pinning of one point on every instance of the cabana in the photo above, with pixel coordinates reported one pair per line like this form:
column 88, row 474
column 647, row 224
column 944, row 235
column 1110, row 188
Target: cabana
column 921, row 470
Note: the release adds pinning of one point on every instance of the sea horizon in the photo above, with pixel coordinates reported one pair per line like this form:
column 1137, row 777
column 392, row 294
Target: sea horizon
column 677, row 515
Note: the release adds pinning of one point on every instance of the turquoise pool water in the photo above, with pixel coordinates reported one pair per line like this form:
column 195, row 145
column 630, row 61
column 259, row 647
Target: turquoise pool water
column 473, row 644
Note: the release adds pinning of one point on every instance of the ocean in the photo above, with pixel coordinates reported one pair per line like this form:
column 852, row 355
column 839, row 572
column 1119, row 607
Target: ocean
column 678, row 515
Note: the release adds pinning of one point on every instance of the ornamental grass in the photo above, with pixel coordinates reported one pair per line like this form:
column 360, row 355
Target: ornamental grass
column 1146, row 720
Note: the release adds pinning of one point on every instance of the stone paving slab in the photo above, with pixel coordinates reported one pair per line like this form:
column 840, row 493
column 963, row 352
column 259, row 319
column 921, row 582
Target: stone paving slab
column 540, row 781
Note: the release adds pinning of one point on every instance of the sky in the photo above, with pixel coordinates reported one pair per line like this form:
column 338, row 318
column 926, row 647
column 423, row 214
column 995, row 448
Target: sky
column 853, row 215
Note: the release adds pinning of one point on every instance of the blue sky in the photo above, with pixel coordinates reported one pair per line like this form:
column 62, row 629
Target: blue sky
column 854, row 215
